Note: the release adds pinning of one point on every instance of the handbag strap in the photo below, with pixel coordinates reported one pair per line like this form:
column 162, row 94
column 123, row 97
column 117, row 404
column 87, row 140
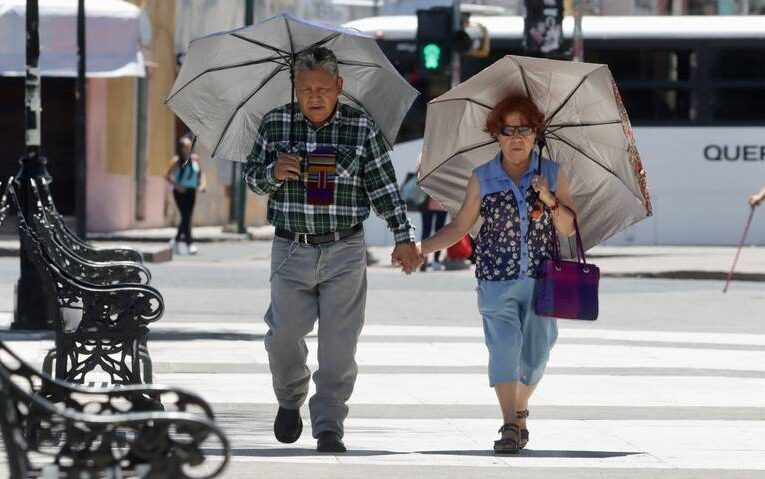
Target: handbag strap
column 542, row 143
column 580, row 257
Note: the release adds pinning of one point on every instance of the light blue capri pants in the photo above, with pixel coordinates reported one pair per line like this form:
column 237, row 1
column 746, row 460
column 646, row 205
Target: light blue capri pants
column 519, row 341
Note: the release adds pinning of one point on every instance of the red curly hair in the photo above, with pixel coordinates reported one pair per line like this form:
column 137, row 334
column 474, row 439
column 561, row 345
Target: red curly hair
column 514, row 103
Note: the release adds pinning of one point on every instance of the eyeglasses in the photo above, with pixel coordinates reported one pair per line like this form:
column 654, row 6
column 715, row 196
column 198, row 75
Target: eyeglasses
column 510, row 130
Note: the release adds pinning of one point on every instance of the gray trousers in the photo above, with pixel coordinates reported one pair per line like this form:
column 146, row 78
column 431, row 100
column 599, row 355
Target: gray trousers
column 325, row 282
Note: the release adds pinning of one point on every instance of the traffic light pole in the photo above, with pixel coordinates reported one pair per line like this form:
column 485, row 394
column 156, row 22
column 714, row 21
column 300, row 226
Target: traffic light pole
column 578, row 47
column 35, row 301
column 456, row 73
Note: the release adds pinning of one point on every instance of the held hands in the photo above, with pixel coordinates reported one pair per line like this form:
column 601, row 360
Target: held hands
column 287, row 167
column 408, row 256
column 755, row 200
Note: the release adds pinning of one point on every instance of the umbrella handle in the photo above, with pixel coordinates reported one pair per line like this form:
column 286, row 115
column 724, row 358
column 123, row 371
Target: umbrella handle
column 541, row 143
column 740, row 245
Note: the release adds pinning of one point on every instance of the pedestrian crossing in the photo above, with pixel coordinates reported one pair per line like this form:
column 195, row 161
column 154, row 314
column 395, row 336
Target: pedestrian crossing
column 612, row 399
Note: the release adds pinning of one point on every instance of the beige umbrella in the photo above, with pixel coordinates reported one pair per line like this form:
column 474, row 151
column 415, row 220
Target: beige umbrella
column 587, row 132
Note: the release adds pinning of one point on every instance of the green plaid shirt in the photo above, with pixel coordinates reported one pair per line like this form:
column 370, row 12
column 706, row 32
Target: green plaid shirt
column 365, row 173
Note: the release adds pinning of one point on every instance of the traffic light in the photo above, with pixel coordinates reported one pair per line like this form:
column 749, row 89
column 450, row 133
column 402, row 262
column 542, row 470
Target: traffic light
column 434, row 39
column 437, row 39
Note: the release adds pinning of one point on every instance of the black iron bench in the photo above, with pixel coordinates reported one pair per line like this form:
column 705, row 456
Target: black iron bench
column 99, row 327
column 77, row 245
column 52, row 429
column 94, row 272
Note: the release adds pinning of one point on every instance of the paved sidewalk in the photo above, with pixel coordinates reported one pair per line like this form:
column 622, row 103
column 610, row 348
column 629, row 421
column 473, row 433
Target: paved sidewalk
column 674, row 262
column 671, row 262
column 201, row 234
column 668, row 383
column 614, row 403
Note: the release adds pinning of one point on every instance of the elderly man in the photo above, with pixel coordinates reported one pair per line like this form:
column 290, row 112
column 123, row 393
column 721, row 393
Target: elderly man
column 322, row 168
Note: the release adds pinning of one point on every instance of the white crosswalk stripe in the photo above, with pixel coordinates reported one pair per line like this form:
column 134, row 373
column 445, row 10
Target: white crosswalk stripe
column 611, row 398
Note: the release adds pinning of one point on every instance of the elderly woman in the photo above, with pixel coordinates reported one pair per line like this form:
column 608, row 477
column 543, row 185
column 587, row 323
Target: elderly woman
column 519, row 209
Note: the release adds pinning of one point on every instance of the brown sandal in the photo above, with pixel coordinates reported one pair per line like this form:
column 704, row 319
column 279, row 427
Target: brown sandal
column 524, row 432
column 508, row 444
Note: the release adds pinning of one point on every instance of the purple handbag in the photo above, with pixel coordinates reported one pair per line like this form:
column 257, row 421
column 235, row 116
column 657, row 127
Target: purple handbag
column 567, row 289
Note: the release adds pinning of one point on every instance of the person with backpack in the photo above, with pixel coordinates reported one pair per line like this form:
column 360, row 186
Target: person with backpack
column 186, row 176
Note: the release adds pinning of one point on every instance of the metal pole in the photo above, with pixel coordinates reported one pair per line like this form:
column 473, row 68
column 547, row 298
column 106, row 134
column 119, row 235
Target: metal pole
column 578, row 39
column 240, row 189
column 80, row 141
column 35, row 300
column 456, row 26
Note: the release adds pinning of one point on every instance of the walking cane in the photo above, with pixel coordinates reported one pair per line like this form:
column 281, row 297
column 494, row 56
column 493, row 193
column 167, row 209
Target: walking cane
column 740, row 245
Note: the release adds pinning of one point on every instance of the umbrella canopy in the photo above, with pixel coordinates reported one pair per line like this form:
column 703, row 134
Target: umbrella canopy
column 587, row 132
column 230, row 80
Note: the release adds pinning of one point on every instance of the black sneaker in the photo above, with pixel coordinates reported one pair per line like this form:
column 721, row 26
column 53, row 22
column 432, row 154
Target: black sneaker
column 329, row 441
column 288, row 425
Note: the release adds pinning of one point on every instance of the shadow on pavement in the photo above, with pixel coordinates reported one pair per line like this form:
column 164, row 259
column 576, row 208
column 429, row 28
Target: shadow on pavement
column 189, row 335
column 302, row 452
column 19, row 335
column 537, row 453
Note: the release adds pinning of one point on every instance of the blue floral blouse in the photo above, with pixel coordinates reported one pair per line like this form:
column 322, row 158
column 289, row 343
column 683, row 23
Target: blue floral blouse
column 509, row 244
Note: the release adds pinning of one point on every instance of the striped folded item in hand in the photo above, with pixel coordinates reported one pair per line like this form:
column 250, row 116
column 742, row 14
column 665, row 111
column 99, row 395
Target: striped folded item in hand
column 320, row 177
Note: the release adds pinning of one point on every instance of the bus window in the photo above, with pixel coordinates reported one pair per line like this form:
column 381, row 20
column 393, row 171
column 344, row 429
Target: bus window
column 644, row 64
column 737, row 79
column 738, row 64
column 737, row 104
column 652, row 105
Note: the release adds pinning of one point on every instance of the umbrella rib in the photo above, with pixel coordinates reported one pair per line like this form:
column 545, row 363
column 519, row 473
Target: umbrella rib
column 358, row 64
column 553, row 136
column 568, row 97
column 523, row 77
column 320, row 42
column 469, row 100
column 224, row 67
column 360, row 105
column 354, row 100
column 459, row 152
column 560, row 126
column 241, row 104
column 260, row 44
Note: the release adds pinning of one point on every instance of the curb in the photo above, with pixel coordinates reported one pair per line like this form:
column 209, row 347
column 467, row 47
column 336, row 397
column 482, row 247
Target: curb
column 688, row 274
column 166, row 239
column 160, row 255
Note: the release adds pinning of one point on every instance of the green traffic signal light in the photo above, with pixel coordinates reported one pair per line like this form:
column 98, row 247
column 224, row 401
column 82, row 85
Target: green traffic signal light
column 431, row 54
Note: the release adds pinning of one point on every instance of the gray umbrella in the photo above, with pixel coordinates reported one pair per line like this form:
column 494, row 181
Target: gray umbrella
column 230, row 80
column 587, row 132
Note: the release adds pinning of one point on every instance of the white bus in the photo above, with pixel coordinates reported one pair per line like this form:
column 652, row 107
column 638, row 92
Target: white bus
column 694, row 87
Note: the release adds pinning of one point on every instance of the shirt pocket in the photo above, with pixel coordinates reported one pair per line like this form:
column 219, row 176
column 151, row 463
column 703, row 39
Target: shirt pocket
column 349, row 160
column 291, row 147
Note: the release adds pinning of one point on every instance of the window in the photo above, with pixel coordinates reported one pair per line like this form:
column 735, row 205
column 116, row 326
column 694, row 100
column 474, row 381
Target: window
column 658, row 105
column 656, row 84
column 738, row 64
column 737, row 83
column 640, row 64
column 739, row 104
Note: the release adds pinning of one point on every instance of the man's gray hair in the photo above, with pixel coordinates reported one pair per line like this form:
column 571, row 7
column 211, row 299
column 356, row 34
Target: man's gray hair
column 317, row 58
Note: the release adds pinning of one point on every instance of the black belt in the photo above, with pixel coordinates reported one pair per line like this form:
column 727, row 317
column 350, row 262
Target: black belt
column 318, row 238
